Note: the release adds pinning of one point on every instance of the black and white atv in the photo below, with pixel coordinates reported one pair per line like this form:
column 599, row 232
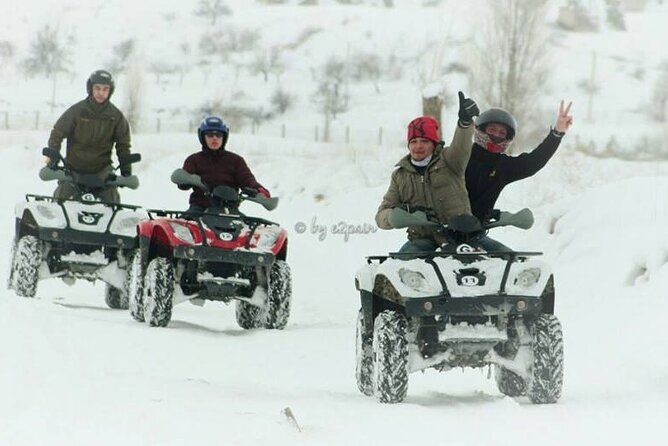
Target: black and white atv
column 459, row 306
column 77, row 238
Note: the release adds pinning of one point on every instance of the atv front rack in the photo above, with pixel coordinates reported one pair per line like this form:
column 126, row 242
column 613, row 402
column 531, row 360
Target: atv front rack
column 252, row 222
column 428, row 256
column 115, row 206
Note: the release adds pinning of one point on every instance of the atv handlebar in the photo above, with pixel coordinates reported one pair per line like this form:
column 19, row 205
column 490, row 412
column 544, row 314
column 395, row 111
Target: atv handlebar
column 400, row 218
column 183, row 178
column 48, row 174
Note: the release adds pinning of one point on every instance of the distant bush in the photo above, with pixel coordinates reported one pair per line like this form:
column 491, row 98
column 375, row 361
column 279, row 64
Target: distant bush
column 281, row 101
column 212, row 9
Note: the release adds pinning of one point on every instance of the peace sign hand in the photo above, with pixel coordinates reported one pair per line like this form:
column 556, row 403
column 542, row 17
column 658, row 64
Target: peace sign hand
column 564, row 118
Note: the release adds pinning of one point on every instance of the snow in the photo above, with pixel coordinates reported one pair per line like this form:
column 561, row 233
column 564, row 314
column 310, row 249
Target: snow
column 77, row 373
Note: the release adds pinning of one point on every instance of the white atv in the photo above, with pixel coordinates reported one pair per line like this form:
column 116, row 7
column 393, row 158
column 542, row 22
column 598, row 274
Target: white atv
column 77, row 238
column 459, row 306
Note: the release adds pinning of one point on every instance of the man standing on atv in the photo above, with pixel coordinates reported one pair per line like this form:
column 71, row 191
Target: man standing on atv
column 217, row 166
column 92, row 127
column 490, row 169
column 431, row 177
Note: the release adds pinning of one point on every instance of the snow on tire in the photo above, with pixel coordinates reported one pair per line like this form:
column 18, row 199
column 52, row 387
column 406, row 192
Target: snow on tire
column 547, row 369
column 364, row 357
column 135, row 287
column 158, row 292
column 279, row 296
column 390, row 357
column 508, row 382
column 25, row 266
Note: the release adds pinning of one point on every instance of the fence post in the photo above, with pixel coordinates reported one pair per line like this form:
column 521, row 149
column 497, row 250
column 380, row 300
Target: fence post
column 157, row 125
column 6, row 120
column 317, row 137
column 283, row 130
column 190, row 125
column 347, row 134
column 37, row 120
column 380, row 136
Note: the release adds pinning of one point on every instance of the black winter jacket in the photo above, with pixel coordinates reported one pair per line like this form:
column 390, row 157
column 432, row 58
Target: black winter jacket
column 488, row 173
column 218, row 168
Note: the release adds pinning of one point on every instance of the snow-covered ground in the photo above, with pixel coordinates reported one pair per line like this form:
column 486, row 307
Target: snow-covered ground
column 77, row 373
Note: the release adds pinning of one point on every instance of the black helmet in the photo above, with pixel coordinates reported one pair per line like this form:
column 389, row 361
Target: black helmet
column 497, row 115
column 102, row 77
column 213, row 124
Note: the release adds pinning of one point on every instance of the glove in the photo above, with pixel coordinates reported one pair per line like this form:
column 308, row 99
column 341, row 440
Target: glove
column 263, row 191
column 467, row 109
column 126, row 170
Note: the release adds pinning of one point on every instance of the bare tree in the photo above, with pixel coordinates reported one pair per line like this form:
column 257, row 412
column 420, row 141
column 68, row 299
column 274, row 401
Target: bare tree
column 121, row 53
column 282, row 101
column 48, row 56
column 268, row 61
column 510, row 68
column 135, row 83
column 212, row 9
column 330, row 96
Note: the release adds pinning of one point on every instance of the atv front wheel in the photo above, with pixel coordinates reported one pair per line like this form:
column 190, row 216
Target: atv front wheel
column 279, row 296
column 158, row 292
column 364, row 357
column 135, row 286
column 25, row 266
column 547, row 370
column 11, row 266
column 390, row 357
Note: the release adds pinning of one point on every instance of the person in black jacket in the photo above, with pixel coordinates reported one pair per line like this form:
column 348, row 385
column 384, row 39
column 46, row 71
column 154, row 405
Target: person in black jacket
column 489, row 169
column 216, row 165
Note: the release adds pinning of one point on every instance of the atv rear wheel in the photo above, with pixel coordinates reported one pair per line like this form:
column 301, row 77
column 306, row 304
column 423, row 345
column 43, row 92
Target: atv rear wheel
column 364, row 357
column 390, row 357
column 508, row 382
column 158, row 292
column 135, row 286
column 115, row 298
column 25, row 266
column 248, row 316
column 547, row 369
column 279, row 296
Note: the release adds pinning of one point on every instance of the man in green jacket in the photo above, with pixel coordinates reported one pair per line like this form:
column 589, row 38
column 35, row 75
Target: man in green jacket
column 92, row 127
column 431, row 176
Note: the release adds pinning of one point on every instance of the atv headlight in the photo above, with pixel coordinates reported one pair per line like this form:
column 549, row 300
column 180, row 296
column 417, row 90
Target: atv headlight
column 528, row 277
column 45, row 212
column 413, row 279
column 182, row 232
column 268, row 237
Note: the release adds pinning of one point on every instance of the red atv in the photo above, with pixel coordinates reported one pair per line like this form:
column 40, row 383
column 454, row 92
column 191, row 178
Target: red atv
column 219, row 254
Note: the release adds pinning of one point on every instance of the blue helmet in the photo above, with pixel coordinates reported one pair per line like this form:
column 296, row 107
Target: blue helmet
column 212, row 124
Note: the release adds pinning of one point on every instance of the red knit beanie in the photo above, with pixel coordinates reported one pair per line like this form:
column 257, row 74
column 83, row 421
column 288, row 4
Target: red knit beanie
column 423, row 127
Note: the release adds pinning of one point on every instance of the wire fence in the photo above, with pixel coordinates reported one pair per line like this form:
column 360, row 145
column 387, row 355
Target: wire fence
column 337, row 133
